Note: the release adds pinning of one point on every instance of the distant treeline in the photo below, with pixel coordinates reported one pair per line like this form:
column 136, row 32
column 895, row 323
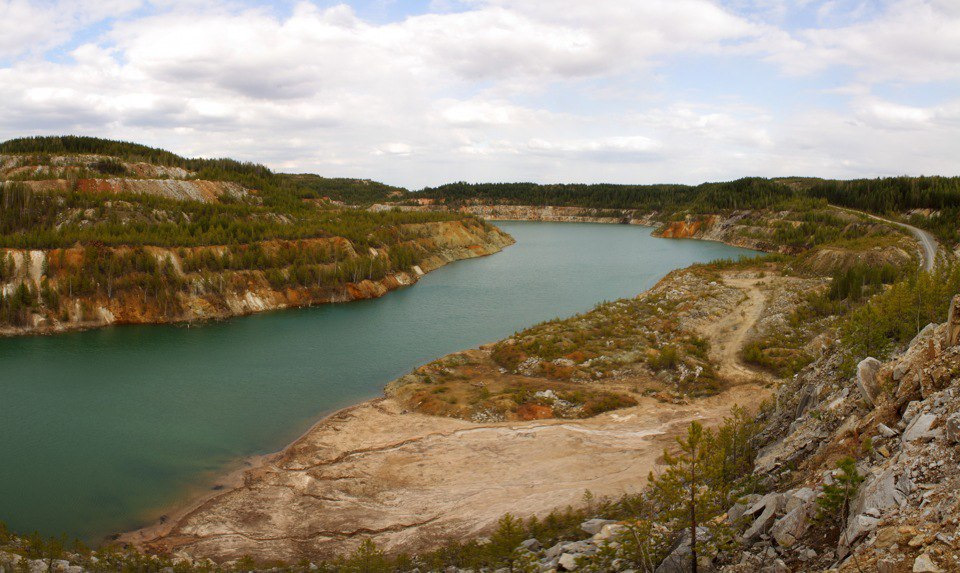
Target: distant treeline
column 890, row 196
column 277, row 188
column 747, row 193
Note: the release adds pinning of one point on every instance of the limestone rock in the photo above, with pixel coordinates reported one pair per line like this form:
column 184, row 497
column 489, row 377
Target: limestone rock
column 678, row 561
column 608, row 532
column 900, row 370
column 953, row 323
column 876, row 494
column 791, row 527
column 882, row 492
column 923, row 335
column 886, row 431
column 920, row 428
column 768, row 507
column 531, row 545
column 953, row 429
column 925, row 564
column 797, row 498
column 859, row 526
column 867, row 379
column 593, row 526
column 778, row 566
column 568, row 561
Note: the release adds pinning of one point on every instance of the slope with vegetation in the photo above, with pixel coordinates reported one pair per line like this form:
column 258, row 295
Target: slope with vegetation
column 97, row 232
column 931, row 203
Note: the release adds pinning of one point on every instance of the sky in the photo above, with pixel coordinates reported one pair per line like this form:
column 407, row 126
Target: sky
column 425, row 92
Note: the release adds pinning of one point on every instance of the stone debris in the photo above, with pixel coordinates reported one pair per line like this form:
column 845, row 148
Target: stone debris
column 867, row 378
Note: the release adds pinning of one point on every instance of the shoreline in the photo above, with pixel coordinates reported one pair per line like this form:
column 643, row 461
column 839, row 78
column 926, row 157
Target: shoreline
column 373, row 432
column 636, row 435
column 229, row 481
column 257, row 302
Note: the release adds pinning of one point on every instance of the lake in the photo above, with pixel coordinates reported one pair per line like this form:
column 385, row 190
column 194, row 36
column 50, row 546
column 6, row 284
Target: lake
column 102, row 430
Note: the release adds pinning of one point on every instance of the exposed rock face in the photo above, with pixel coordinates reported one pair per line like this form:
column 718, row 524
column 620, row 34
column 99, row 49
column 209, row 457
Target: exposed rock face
column 242, row 292
column 180, row 190
column 905, row 514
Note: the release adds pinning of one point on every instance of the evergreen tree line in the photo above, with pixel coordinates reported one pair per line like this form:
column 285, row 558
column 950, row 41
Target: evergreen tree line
column 888, row 196
column 31, row 220
column 747, row 193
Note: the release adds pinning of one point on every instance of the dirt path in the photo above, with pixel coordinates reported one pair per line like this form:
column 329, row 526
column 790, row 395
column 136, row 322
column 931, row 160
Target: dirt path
column 729, row 335
column 929, row 247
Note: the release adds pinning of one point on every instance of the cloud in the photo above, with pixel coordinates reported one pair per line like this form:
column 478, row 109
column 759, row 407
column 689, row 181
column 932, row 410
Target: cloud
column 34, row 26
column 549, row 90
column 908, row 41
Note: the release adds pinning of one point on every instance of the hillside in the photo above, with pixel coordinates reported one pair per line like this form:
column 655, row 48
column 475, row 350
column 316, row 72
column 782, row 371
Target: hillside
column 932, row 203
column 94, row 232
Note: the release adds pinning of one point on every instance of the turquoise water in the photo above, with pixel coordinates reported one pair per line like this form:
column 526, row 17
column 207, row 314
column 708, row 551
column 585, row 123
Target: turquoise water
column 100, row 430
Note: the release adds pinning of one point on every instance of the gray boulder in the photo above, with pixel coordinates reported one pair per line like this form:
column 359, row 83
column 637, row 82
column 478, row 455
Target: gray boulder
column 886, row 431
column 593, row 526
column 858, row 527
column 767, row 507
column 530, row 545
column 678, row 561
column 900, row 370
column 798, row 497
column 882, row 492
column 867, row 379
column 568, row 561
column 953, row 429
column 876, row 494
column 920, row 428
column 791, row 527
column 923, row 335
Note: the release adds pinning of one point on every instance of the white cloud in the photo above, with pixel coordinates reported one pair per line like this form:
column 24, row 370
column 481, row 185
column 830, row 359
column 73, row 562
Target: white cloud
column 548, row 90
column 909, row 41
column 33, row 26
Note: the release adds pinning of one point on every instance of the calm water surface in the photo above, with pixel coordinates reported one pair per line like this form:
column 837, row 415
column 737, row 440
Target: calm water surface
column 100, row 430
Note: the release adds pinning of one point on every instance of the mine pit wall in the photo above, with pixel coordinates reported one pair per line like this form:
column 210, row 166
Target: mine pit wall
column 246, row 292
column 717, row 228
column 176, row 189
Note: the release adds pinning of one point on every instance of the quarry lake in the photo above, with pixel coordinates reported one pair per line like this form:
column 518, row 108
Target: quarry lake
column 100, row 431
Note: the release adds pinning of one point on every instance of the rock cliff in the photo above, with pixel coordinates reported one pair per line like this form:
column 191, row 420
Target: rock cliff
column 204, row 296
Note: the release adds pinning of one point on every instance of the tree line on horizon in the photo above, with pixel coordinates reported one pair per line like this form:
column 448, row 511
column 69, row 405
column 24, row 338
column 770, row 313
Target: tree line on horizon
column 889, row 195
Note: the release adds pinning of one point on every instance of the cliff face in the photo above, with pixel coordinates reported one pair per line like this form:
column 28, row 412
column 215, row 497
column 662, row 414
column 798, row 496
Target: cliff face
column 731, row 229
column 203, row 295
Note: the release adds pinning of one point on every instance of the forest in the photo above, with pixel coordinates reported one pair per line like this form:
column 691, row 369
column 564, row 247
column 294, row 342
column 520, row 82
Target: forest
column 891, row 196
column 747, row 193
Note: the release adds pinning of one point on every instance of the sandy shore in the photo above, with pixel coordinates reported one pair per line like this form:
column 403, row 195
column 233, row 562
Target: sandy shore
column 409, row 480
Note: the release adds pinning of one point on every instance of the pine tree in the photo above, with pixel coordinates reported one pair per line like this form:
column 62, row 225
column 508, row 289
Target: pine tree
column 684, row 490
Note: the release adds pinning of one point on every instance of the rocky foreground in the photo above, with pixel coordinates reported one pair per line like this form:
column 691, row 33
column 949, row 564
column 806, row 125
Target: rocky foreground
column 900, row 418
